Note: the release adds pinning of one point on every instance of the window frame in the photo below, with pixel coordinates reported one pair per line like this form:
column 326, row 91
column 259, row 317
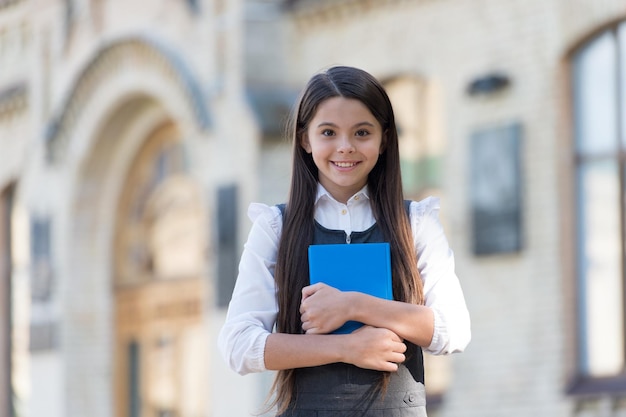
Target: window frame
column 7, row 196
column 582, row 383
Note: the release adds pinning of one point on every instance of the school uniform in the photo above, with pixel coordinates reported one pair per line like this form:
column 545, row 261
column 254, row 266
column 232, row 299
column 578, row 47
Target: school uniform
column 341, row 389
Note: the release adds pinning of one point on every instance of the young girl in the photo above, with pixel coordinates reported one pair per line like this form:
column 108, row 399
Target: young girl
column 345, row 188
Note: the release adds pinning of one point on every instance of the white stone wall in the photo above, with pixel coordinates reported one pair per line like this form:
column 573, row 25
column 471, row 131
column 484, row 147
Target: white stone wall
column 79, row 191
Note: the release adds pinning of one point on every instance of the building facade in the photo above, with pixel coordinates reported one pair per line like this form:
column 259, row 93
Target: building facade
column 134, row 134
column 122, row 125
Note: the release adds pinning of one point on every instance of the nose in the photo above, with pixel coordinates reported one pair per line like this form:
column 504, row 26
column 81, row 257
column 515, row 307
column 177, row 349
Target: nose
column 345, row 145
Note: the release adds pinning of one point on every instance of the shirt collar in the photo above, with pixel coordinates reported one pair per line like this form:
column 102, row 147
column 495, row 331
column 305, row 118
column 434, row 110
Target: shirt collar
column 322, row 193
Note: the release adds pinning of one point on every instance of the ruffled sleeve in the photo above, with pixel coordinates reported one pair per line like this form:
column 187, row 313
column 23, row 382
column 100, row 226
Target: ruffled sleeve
column 442, row 289
column 252, row 310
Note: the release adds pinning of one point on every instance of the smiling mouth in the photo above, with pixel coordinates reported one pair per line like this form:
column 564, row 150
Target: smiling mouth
column 345, row 164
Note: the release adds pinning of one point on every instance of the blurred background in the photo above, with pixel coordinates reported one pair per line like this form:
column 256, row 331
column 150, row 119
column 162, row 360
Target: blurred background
column 134, row 134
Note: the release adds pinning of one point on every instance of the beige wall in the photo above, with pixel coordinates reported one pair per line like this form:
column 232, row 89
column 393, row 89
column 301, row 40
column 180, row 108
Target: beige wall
column 521, row 357
column 118, row 71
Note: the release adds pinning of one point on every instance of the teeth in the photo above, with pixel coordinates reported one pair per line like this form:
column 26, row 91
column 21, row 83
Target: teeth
column 345, row 164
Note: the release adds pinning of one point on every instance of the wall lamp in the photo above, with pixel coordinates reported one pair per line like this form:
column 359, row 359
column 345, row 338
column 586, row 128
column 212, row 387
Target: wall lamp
column 488, row 84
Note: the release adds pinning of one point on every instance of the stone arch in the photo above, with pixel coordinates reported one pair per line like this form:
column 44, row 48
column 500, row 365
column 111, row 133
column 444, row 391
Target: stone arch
column 97, row 176
column 110, row 116
column 139, row 65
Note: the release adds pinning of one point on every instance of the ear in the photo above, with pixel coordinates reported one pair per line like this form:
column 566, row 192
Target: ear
column 304, row 142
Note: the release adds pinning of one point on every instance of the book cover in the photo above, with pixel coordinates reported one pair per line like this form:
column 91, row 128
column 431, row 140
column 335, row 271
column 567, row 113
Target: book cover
column 362, row 267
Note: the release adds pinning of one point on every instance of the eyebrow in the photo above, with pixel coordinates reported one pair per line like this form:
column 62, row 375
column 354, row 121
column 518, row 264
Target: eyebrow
column 356, row 125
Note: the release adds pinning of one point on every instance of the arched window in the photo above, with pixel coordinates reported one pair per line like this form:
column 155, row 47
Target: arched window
column 599, row 118
column 416, row 109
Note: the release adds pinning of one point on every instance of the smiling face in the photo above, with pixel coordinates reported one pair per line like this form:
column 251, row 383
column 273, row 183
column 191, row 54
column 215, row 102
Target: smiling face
column 345, row 141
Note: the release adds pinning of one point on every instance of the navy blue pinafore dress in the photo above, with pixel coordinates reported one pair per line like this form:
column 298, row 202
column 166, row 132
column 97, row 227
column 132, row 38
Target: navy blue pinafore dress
column 344, row 390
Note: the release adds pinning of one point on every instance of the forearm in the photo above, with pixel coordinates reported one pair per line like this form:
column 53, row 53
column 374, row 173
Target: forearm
column 368, row 347
column 288, row 351
column 411, row 322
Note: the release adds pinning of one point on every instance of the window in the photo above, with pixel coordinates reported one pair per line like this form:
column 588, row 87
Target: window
column 134, row 379
column 41, row 258
column 416, row 108
column 599, row 93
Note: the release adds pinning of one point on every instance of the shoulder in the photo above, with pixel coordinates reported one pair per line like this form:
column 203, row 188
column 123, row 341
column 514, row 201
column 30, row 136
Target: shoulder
column 428, row 207
column 424, row 216
column 264, row 215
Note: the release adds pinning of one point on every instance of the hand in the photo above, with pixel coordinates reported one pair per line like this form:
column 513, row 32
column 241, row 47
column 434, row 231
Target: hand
column 375, row 348
column 323, row 309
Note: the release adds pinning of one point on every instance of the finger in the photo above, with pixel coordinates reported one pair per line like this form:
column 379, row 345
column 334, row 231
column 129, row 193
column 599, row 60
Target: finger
column 389, row 367
column 304, row 303
column 400, row 347
column 309, row 290
column 306, row 292
column 397, row 358
column 312, row 330
column 396, row 338
column 304, row 317
column 312, row 289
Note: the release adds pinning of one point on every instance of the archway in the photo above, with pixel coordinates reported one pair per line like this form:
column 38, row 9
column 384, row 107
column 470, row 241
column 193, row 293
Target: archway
column 129, row 94
column 160, row 341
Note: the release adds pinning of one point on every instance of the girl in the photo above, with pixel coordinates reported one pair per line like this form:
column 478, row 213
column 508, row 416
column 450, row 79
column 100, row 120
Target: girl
column 345, row 187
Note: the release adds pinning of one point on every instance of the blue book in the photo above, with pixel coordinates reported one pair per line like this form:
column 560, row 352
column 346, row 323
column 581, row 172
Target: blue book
column 362, row 267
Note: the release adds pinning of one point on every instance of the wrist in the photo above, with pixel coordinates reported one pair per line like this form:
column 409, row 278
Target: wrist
column 343, row 349
column 353, row 306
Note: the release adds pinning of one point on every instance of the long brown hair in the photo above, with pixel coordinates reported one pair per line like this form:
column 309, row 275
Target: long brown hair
column 385, row 188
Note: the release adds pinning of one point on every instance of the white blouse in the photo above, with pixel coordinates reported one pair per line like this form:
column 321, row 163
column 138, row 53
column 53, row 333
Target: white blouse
column 253, row 308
